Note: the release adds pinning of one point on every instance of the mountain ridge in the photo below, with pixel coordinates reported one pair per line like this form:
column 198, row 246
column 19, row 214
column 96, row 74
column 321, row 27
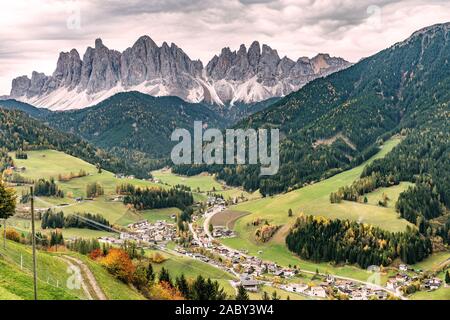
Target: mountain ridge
column 245, row 76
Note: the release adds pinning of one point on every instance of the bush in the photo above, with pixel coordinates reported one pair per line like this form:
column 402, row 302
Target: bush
column 119, row 264
column 12, row 235
column 96, row 254
column 158, row 258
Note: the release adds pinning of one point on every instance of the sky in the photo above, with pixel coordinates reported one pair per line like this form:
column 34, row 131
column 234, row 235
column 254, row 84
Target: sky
column 33, row 32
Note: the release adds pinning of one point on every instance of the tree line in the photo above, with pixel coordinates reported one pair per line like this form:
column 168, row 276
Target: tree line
column 362, row 186
column 56, row 220
column 94, row 190
column 18, row 131
column 153, row 198
column 47, row 188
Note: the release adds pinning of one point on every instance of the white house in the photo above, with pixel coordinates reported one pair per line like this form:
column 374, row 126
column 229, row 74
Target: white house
column 318, row 292
column 294, row 287
column 403, row 267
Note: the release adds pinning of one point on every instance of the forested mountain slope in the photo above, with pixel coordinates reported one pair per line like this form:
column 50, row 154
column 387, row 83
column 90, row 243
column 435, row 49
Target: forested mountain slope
column 334, row 123
column 25, row 107
column 134, row 126
column 20, row 131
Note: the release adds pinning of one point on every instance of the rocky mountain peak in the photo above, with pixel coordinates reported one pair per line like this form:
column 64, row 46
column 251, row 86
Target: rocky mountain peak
column 98, row 43
column 243, row 75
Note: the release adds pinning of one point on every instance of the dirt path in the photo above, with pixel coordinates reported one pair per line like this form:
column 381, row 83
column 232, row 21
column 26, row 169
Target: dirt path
column 89, row 283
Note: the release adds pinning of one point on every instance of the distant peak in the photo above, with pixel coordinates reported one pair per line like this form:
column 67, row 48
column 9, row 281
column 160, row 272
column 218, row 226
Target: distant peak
column 72, row 53
column 322, row 56
column 427, row 30
column 225, row 50
column 255, row 45
column 144, row 38
column 98, row 43
column 432, row 28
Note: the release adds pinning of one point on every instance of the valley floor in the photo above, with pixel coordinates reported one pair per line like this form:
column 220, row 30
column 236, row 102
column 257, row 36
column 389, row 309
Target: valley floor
column 314, row 200
column 310, row 200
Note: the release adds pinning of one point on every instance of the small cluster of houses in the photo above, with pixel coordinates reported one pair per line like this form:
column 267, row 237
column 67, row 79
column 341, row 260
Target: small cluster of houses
column 301, row 288
column 123, row 176
column 144, row 231
column 150, row 232
column 222, row 232
column 402, row 280
column 357, row 291
column 214, row 201
column 242, row 263
column 353, row 290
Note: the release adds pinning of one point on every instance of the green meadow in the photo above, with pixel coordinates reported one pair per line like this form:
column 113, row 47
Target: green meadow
column 16, row 276
column 314, row 200
column 50, row 163
column 51, row 272
column 203, row 183
column 16, row 284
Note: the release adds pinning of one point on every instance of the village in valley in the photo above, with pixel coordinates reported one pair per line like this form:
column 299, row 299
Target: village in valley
column 204, row 244
column 253, row 273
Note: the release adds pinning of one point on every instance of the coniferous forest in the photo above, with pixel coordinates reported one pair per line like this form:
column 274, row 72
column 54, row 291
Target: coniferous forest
column 342, row 241
column 155, row 198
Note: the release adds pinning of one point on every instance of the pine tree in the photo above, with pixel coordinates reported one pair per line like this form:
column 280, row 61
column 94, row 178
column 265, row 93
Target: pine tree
column 183, row 286
column 242, row 293
column 290, row 213
column 275, row 296
column 447, row 277
column 164, row 276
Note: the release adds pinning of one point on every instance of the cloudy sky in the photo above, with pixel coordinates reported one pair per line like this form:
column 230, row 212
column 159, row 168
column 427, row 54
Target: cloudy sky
column 33, row 32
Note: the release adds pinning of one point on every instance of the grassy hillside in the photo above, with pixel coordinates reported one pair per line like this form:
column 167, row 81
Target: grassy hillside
column 51, row 271
column 16, row 284
column 204, row 183
column 313, row 199
column 113, row 288
column 53, row 275
column 19, row 131
column 392, row 193
column 283, row 295
column 50, row 163
column 135, row 126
